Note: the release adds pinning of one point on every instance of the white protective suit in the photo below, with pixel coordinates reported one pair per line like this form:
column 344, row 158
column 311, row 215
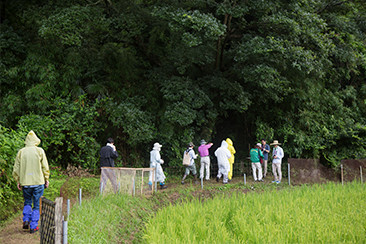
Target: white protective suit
column 223, row 154
column 155, row 162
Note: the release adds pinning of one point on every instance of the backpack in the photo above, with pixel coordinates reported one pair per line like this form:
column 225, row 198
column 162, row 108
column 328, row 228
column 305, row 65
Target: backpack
column 186, row 158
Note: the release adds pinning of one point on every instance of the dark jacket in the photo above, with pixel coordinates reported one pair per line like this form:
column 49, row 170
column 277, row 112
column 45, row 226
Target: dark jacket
column 107, row 156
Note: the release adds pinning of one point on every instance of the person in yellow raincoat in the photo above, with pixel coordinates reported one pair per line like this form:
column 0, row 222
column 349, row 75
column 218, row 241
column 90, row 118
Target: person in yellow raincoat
column 231, row 159
column 31, row 172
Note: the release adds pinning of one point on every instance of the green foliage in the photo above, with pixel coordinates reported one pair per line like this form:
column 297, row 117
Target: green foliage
column 194, row 27
column 88, row 185
column 136, row 123
column 68, row 132
column 73, row 25
column 10, row 142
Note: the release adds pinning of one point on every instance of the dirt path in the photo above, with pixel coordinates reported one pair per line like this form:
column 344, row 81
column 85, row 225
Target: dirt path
column 13, row 233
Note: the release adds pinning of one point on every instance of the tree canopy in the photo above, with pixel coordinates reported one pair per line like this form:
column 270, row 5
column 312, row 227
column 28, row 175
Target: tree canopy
column 80, row 71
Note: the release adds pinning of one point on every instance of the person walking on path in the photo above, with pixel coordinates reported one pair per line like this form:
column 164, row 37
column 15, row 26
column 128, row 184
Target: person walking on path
column 265, row 150
column 255, row 155
column 223, row 154
column 108, row 154
column 231, row 148
column 205, row 158
column 31, row 172
column 191, row 167
column 156, row 162
column 277, row 156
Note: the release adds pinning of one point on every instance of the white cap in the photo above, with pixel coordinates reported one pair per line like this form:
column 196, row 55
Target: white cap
column 157, row 146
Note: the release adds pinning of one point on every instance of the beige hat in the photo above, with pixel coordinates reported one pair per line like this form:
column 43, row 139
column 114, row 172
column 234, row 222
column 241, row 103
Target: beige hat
column 275, row 142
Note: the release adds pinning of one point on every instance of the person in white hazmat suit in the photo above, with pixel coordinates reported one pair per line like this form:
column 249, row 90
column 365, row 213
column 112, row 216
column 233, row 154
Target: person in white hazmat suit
column 156, row 162
column 223, row 154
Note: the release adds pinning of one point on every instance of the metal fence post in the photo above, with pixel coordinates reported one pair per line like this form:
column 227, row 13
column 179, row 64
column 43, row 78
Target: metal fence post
column 64, row 232
column 245, row 179
column 68, row 208
column 80, row 196
column 289, row 174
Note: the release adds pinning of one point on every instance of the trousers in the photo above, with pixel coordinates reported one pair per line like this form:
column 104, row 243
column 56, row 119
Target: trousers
column 32, row 195
column 205, row 164
column 255, row 167
column 276, row 169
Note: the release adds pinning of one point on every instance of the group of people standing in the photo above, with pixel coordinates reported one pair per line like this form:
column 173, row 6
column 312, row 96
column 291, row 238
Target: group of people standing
column 225, row 160
column 259, row 158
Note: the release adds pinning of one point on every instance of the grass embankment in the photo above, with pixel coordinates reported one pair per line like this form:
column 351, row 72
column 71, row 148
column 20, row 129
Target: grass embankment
column 329, row 213
column 109, row 219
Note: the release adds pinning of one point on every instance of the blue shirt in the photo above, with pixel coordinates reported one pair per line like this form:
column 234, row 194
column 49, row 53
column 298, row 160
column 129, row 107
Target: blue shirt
column 265, row 154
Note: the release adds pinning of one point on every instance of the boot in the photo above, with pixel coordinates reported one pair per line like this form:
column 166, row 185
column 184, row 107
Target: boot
column 33, row 230
column 163, row 186
column 26, row 225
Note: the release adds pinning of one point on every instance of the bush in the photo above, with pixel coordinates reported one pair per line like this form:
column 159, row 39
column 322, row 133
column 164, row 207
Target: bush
column 10, row 142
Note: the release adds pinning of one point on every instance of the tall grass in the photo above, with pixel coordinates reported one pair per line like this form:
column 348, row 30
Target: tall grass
column 329, row 213
column 109, row 219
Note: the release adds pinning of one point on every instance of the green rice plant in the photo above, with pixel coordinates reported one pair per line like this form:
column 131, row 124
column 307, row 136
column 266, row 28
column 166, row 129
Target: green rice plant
column 329, row 213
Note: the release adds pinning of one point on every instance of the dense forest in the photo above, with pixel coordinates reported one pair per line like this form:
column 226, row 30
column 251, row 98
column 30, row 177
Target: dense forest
column 79, row 71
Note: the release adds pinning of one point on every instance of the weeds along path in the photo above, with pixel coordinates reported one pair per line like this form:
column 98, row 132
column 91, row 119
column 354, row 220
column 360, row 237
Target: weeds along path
column 12, row 230
column 13, row 233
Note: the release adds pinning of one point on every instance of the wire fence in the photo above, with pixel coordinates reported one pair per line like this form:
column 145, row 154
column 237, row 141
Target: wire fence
column 132, row 181
column 48, row 221
column 51, row 221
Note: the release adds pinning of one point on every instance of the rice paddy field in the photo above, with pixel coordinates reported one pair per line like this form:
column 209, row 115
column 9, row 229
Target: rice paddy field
column 329, row 213
column 326, row 213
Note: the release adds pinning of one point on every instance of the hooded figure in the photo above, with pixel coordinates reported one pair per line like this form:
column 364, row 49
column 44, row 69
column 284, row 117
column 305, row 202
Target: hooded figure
column 155, row 162
column 231, row 159
column 223, row 155
column 31, row 172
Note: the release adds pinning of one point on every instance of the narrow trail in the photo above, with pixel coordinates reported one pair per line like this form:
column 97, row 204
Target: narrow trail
column 13, row 233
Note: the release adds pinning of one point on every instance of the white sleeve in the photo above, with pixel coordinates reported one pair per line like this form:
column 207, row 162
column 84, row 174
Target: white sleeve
column 158, row 158
column 192, row 154
column 281, row 154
